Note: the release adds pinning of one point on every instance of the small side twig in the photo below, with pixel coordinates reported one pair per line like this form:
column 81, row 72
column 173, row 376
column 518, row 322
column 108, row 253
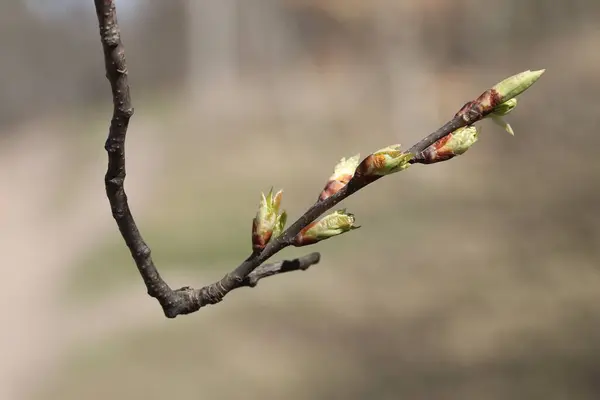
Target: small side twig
column 186, row 299
column 280, row 267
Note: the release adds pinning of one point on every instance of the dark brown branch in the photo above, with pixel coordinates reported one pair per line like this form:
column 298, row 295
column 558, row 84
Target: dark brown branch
column 280, row 267
column 187, row 300
column 116, row 73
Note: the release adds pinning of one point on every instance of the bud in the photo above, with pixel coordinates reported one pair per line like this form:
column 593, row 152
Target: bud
column 384, row 162
column 268, row 222
column 450, row 146
column 516, row 84
column 498, row 96
column 505, row 108
column 330, row 225
column 279, row 224
column 342, row 173
column 500, row 111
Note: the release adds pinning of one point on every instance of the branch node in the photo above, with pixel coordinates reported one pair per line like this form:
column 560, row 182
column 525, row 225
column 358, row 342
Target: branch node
column 213, row 294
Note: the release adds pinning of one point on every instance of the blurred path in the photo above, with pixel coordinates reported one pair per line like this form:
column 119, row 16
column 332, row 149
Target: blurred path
column 40, row 240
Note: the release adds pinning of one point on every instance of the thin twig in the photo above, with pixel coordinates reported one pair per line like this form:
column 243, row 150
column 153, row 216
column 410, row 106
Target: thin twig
column 280, row 267
column 187, row 300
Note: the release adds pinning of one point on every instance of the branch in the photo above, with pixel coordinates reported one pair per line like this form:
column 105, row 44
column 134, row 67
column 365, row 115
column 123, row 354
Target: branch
column 173, row 302
column 280, row 267
column 446, row 142
column 116, row 73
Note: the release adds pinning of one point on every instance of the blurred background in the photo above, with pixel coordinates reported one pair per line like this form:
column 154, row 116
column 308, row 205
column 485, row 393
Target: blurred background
column 475, row 278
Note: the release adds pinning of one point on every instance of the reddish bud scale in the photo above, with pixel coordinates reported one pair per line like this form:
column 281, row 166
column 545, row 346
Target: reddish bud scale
column 301, row 239
column 375, row 161
column 334, row 186
column 436, row 153
column 371, row 163
column 259, row 242
column 477, row 109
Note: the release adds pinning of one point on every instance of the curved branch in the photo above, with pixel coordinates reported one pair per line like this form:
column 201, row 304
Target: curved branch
column 116, row 73
column 187, row 300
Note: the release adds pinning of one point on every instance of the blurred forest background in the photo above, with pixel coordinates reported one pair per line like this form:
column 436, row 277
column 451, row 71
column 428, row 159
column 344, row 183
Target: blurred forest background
column 472, row 279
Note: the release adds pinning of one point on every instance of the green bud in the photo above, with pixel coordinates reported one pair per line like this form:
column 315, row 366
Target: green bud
column 345, row 167
column 505, row 108
column 498, row 99
column 450, row 146
column 500, row 111
column 279, row 225
column 331, row 225
column 385, row 161
column 267, row 220
column 516, row 84
column 343, row 172
column 460, row 140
